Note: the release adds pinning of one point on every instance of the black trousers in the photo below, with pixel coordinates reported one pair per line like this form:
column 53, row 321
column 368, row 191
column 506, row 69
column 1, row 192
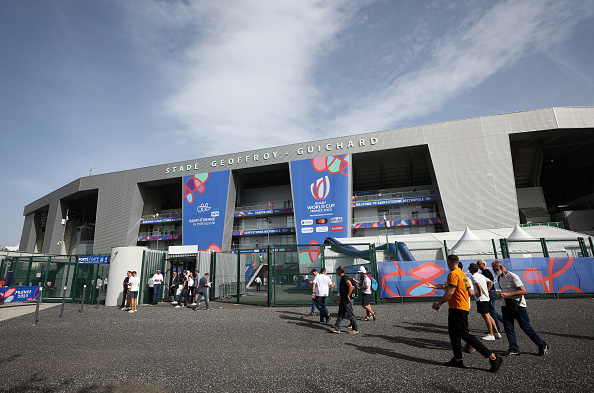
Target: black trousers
column 458, row 330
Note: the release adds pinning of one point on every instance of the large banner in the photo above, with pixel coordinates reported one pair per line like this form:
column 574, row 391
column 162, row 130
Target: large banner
column 320, row 201
column 539, row 275
column 204, row 205
column 18, row 294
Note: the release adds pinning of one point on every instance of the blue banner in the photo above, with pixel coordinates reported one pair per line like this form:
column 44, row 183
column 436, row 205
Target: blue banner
column 93, row 260
column 204, row 206
column 539, row 275
column 263, row 231
column 18, row 294
column 320, row 201
column 160, row 220
column 394, row 201
column 263, row 212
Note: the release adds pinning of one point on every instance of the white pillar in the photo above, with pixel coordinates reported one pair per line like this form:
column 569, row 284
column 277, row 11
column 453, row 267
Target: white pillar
column 122, row 260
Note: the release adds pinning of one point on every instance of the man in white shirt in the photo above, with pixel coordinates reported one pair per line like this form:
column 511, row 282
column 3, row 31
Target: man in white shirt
column 158, row 282
column 320, row 290
column 513, row 292
column 482, row 287
column 134, row 284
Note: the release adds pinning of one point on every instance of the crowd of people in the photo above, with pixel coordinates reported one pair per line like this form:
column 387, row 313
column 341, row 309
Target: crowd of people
column 190, row 287
column 458, row 289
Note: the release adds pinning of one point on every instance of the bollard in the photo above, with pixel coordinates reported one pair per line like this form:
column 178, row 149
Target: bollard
column 63, row 299
column 37, row 307
column 82, row 301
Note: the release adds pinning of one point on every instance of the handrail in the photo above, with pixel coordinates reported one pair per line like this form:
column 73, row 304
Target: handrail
column 409, row 216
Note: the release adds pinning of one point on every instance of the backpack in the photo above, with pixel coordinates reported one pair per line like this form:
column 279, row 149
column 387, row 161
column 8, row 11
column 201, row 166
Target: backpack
column 374, row 284
column 355, row 293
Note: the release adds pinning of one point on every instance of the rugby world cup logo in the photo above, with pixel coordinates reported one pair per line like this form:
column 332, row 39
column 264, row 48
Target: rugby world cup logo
column 321, row 188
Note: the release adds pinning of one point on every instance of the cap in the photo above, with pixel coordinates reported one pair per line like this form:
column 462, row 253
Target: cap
column 313, row 271
column 362, row 270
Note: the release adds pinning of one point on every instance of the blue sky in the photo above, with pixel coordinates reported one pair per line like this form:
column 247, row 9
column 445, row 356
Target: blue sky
column 127, row 84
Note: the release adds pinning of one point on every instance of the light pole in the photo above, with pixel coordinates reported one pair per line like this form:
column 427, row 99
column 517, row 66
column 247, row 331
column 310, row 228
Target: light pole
column 268, row 221
column 387, row 225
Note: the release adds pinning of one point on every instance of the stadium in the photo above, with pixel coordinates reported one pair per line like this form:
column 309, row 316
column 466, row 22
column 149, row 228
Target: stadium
column 482, row 173
column 412, row 194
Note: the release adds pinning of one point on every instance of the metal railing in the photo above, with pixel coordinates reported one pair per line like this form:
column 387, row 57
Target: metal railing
column 390, row 195
column 159, row 233
column 155, row 216
column 264, row 206
column 393, row 217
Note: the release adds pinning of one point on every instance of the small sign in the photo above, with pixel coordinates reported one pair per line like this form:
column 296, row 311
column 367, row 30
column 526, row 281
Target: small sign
column 94, row 260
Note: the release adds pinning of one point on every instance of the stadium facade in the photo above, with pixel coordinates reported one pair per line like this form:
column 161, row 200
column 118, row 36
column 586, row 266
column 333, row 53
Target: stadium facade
column 486, row 172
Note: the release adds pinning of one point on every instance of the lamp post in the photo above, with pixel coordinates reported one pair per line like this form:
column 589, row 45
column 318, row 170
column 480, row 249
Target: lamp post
column 268, row 221
column 387, row 225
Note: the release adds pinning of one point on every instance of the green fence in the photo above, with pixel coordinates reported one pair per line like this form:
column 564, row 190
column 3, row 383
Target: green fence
column 58, row 275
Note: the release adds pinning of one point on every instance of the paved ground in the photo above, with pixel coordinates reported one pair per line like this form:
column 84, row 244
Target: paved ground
column 246, row 348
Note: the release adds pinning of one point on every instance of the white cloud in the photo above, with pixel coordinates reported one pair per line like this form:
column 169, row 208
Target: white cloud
column 247, row 82
column 483, row 45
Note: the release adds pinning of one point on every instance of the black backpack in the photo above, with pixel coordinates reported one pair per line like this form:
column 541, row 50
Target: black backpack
column 355, row 292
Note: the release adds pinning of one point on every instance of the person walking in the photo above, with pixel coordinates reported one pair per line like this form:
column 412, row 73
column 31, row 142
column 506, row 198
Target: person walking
column 184, row 291
column 175, row 280
column 457, row 296
column 365, row 286
column 126, row 292
column 158, row 282
column 203, row 286
column 482, row 285
column 134, row 284
column 482, row 265
column 345, row 307
column 515, row 309
column 258, row 282
column 320, row 291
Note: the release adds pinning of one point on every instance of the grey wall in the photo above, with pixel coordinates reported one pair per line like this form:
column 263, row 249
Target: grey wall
column 471, row 160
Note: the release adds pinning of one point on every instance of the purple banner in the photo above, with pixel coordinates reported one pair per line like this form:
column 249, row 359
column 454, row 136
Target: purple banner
column 399, row 223
column 204, row 206
column 18, row 294
column 321, row 201
column 539, row 275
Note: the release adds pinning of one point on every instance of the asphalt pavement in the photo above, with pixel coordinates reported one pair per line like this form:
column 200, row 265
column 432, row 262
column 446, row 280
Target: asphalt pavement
column 256, row 349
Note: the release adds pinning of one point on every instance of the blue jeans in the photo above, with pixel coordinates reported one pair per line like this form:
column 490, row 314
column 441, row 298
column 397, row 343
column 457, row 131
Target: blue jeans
column 184, row 294
column 156, row 293
column 522, row 317
column 346, row 308
column 201, row 296
column 492, row 311
column 313, row 307
column 321, row 306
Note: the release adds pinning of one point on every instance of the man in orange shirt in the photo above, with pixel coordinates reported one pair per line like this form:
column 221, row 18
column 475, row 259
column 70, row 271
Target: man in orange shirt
column 457, row 296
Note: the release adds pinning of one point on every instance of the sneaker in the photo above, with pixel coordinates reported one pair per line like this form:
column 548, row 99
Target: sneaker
column 334, row 330
column 511, row 352
column 124, row 309
column 193, row 304
column 544, row 350
column 454, row 363
column 488, row 337
column 353, row 331
column 468, row 349
column 174, row 302
column 196, row 309
column 178, row 306
column 311, row 315
column 131, row 311
column 496, row 364
column 135, row 310
column 497, row 335
column 208, row 308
